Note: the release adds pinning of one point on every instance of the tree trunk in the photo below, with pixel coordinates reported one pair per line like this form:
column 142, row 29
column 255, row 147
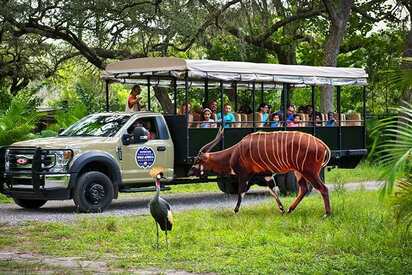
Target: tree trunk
column 407, row 63
column 162, row 95
column 339, row 17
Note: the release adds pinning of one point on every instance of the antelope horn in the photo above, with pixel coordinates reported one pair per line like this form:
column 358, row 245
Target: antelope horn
column 213, row 143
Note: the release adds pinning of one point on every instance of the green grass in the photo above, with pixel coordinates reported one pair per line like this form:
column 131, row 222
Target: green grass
column 363, row 172
column 4, row 199
column 361, row 237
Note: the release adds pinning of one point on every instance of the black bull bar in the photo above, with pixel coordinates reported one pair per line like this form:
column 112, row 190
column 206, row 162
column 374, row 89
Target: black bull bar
column 36, row 173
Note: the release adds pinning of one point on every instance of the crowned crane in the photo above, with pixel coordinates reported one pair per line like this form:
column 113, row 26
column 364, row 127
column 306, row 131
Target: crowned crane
column 159, row 208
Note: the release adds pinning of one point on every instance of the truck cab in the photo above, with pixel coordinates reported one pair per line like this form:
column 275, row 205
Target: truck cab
column 90, row 162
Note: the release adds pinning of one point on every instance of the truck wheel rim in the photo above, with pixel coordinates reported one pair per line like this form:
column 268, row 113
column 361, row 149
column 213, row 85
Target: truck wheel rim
column 95, row 193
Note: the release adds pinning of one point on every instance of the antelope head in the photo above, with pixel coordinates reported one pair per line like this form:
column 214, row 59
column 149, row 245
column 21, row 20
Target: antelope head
column 203, row 156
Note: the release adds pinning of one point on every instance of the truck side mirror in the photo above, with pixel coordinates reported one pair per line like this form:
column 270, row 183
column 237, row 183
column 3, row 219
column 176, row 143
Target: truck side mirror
column 127, row 139
column 140, row 135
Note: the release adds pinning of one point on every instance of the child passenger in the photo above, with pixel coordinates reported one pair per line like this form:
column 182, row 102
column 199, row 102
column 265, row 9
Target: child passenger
column 295, row 122
column 331, row 120
column 207, row 121
column 275, row 120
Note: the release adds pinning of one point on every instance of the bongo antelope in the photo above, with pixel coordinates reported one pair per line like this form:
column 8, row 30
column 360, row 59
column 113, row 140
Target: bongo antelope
column 268, row 153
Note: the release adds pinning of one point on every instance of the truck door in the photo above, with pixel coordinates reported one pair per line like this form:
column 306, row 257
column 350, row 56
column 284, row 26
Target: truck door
column 138, row 159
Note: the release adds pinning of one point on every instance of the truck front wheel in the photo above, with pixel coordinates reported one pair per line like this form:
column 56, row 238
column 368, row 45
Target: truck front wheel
column 93, row 192
column 228, row 185
column 29, row 204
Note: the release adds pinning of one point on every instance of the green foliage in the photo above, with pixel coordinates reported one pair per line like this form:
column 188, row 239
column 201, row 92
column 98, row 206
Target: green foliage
column 19, row 120
column 402, row 201
column 361, row 237
column 4, row 199
column 231, row 49
column 68, row 116
column 396, row 152
column 5, row 99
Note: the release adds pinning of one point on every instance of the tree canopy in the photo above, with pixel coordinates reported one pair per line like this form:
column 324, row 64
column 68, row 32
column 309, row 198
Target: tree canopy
column 38, row 37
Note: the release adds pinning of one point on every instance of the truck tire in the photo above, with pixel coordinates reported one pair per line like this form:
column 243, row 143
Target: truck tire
column 288, row 185
column 228, row 185
column 93, row 192
column 29, row 204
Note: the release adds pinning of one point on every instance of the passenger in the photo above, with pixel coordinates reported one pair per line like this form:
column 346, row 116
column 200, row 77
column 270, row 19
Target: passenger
column 290, row 114
column 197, row 115
column 148, row 127
column 213, row 107
column 229, row 118
column 331, row 120
column 318, row 115
column 295, row 122
column 207, row 122
column 302, row 109
column 263, row 114
column 275, row 120
column 133, row 100
column 318, row 120
column 245, row 109
column 183, row 108
column 269, row 109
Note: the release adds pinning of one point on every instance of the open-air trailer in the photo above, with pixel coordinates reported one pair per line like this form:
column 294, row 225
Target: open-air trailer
column 347, row 141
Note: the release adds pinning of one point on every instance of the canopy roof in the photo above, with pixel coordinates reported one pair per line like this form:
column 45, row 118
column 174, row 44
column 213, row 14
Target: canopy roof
column 233, row 71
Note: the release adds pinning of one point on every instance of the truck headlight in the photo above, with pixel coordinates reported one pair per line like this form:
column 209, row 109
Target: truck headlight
column 61, row 161
column 7, row 161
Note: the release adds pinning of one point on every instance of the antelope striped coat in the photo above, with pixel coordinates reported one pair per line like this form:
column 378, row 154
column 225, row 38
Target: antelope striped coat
column 280, row 152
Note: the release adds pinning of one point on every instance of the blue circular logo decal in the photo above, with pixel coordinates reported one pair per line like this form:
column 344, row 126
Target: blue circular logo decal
column 145, row 157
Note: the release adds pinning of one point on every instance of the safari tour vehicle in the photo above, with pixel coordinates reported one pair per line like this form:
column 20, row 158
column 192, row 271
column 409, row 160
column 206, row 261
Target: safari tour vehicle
column 107, row 153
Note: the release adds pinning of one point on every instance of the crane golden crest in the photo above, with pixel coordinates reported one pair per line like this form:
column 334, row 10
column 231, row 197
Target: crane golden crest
column 156, row 171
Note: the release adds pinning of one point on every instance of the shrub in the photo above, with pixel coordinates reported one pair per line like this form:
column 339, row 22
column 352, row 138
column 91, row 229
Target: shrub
column 19, row 120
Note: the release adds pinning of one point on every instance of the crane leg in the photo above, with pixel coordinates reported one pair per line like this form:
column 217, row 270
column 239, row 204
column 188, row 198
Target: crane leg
column 157, row 235
column 167, row 243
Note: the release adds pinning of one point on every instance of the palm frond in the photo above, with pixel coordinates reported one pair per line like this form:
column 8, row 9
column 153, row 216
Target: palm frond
column 395, row 152
column 403, row 202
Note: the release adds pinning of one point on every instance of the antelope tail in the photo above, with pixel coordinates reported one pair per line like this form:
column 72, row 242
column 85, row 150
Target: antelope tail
column 328, row 155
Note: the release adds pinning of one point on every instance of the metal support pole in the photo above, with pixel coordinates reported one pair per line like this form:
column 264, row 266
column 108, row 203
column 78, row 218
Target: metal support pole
column 235, row 88
column 313, row 111
column 338, row 104
column 206, row 92
column 222, row 115
column 187, row 114
column 262, row 95
column 364, row 116
column 253, row 105
column 175, row 94
column 285, row 99
column 107, row 95
column 148, row 94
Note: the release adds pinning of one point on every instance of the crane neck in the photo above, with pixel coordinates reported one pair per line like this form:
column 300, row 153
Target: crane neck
column 157, row 189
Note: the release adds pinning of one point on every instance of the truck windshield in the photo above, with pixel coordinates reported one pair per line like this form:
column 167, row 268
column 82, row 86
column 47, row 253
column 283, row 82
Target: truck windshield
column 97, row 125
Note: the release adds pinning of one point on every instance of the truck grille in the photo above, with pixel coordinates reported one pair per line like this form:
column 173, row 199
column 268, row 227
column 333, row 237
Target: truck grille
column 21, row 160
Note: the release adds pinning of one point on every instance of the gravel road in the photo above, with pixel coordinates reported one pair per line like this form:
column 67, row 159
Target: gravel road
column 65, row 211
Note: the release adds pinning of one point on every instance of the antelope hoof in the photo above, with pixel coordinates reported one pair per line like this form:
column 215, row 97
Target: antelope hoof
column 236, row 210
column 282, row 210
column 327, row 215
column 290, row 210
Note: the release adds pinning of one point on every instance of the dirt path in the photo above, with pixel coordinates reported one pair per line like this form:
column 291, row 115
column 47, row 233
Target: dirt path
column 65, row 211
column 71, row 265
